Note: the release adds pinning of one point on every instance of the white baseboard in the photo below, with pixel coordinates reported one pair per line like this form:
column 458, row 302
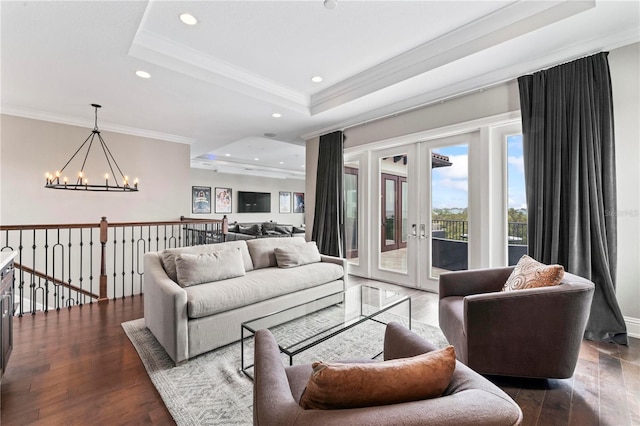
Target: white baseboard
column 633, row 327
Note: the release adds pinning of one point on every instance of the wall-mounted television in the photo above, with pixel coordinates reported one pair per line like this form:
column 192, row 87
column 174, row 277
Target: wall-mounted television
column 254, row 202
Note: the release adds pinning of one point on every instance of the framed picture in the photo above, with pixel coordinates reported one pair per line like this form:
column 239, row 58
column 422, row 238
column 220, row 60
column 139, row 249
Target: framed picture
column 298, row 202
column 285, row 202
column 223, row 200
column 201, row 199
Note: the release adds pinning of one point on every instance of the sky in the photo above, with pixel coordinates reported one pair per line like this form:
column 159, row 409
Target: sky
column 450, row 184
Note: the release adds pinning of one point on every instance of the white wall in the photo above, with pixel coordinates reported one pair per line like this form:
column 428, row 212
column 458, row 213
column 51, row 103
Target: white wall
column 201, row 177
column 624, row 64
column 30, row 148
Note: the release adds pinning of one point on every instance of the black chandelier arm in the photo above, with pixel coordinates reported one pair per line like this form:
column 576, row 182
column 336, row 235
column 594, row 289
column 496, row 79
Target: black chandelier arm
column 106, row 147
column 105, row 150
column 76, row 153
column 93, row 135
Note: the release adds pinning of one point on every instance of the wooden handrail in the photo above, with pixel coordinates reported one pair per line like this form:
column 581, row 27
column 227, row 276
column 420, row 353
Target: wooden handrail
column 188, row 225
column 54, row 280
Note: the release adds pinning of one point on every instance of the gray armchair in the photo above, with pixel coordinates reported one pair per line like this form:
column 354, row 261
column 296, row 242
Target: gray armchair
column 523, row 333
column 470, row 399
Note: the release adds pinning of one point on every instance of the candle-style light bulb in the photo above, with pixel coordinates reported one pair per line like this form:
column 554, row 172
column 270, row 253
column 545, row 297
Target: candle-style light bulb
column 57, row 176
column 126, row 181
column 106, row 179
column 135, row 183
column 48, row 177
column 66, row 179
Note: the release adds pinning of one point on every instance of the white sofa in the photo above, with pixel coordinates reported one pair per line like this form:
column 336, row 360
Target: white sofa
column 194, row 319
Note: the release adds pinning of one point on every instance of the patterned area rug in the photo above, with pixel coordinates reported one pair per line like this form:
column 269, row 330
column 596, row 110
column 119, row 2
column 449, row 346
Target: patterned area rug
column 211, row 390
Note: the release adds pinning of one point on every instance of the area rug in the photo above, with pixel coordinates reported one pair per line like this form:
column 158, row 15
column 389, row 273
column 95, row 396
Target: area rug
column 211, row 390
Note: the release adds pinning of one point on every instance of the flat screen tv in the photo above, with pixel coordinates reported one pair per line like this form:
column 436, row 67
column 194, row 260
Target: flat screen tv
column 254, row 202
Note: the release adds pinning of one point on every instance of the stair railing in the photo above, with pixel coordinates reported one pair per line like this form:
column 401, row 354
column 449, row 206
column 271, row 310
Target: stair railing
column 65, row 265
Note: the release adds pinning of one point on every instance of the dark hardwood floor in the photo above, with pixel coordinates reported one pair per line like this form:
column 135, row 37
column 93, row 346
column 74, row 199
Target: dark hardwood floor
column 77, row 367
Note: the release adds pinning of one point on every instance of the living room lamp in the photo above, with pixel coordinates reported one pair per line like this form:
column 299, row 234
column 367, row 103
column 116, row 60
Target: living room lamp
column 111, row 182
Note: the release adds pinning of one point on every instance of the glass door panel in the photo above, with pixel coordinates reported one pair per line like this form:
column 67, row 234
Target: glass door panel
column 351, row 173
column 449, row 221
column 393, row 225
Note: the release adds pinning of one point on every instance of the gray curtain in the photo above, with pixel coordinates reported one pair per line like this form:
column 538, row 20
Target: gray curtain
column 328, row 223
column 569, row 158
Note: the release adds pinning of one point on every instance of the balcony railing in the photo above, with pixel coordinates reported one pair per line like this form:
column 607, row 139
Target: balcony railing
column 60, row 266
column 458, row 230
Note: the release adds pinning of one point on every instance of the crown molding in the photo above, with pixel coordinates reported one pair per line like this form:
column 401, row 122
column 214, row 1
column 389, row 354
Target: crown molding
column 231, row 167
column 83, row 122
column 502, row 25
column 178, row 57
column 485, row 81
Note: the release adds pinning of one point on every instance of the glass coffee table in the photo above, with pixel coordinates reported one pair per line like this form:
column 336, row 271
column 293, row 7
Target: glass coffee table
column 302, row 327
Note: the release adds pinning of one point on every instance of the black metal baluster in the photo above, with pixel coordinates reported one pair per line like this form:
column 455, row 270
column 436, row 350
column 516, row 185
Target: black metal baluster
column 91, row 265
column 115, row 275
column 81, row 297
column 124, row 241
column 139, row 263
column 45, row 308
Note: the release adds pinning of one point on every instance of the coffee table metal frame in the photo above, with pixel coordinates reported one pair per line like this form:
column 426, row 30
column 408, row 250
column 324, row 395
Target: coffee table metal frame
column 250, row 327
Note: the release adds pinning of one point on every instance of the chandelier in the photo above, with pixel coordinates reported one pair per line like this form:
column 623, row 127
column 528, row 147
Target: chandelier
column 111, row 183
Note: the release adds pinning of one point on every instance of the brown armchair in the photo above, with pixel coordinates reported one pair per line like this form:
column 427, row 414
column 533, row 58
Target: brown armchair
column 524, row 333
column 470, row 399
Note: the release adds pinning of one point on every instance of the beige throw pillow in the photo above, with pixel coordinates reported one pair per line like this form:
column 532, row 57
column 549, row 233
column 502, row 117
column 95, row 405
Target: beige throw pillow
column 335, row 386
column 290, row 257
column 202, row 268
column 529, row 273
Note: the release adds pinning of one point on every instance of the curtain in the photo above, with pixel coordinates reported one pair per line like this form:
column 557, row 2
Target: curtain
column 328, row 223
column 569, row 159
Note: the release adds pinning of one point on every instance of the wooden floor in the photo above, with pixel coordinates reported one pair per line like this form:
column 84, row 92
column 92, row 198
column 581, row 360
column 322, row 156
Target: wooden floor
column 77, row 367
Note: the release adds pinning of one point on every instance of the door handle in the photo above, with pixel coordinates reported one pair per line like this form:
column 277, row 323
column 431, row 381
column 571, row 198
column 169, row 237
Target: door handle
column 423, row 231
column 414, row 231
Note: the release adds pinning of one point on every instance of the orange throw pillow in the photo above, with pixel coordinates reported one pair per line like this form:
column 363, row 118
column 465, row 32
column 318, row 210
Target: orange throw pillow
column 529, row 273
column 335, row 386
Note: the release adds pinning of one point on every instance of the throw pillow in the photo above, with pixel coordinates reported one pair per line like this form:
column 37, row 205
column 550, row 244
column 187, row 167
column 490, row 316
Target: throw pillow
column 290, row 257
column 195, row 269
column 284, row 229
column 249, row 229
column 529, row 273
column 268, row 227
column 336, row 386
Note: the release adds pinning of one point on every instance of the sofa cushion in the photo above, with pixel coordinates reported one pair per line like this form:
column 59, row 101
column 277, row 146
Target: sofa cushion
column 249, row 229
column 290, row 257
column 261, row 250
column 168, row 257
column 529, row 273
column 193, row 269
column 260, row 284
column 354, row 385
column 284, row 229
column 268, row 227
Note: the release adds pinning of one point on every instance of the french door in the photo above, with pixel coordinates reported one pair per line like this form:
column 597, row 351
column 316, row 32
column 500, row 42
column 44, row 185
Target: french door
column 419, row 223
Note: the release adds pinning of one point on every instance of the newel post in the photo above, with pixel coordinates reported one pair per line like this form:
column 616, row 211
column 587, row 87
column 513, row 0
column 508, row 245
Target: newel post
column 104, row 228
column 225, row 227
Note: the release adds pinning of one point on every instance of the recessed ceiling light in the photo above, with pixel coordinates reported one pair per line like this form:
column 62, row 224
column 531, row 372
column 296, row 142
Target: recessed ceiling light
column 302, row 166
column 143, row 74
column 257, row 159
column 330, row 4
column 188, row 19
column 276, row 115
column 227, row 155
column 316, row 79
column 282, row 162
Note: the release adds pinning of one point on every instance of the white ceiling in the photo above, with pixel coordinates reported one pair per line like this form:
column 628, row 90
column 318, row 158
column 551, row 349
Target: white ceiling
column 216, row 85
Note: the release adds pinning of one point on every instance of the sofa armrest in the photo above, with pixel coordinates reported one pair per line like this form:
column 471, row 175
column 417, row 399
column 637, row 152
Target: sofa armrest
column 501, row 326
column 165, row 309
column 338, row 261
column 273, row 403
column 475, row 281
column 400, row 342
